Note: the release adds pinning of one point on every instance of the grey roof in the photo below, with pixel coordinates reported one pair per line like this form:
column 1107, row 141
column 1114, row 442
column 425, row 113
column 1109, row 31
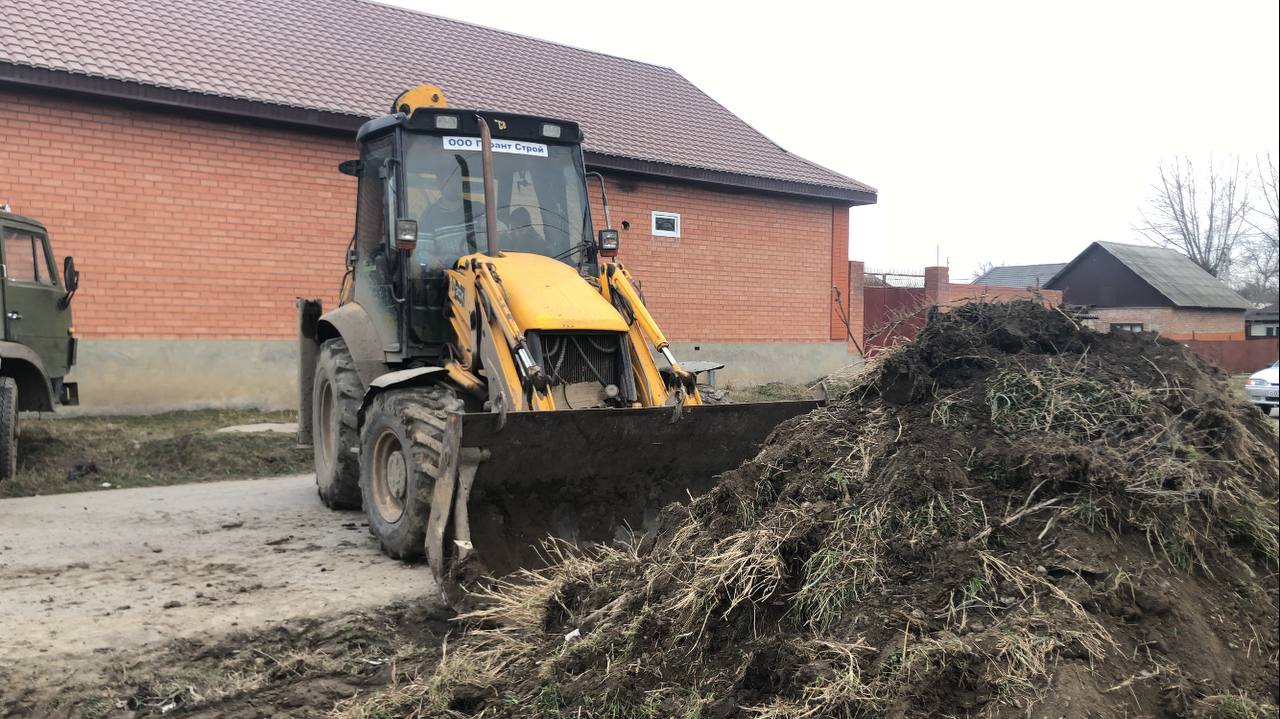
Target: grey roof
column 1020, row 276
column 1270, row 312
column 352, row 57
column 1173, row 275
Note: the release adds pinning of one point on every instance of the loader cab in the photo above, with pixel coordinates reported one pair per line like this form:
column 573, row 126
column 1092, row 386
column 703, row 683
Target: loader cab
column 425, row 167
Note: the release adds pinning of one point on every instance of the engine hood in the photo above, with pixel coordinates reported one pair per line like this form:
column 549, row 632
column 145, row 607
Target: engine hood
column 546, row 294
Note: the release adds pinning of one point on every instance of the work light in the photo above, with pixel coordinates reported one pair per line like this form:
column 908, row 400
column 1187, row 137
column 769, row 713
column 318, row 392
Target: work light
column 608, row 242
column 549, row 130
column 406, row 234
column 446, row 122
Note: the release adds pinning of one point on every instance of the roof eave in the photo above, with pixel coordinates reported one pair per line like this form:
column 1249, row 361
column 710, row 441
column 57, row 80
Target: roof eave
column 629, row 165
column 37, row 78
column 44, row 79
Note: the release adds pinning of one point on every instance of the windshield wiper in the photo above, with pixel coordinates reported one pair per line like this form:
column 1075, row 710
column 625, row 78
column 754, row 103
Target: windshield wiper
column 584, row 245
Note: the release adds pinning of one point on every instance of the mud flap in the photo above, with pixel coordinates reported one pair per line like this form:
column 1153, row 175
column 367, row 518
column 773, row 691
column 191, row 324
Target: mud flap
column 585, row 476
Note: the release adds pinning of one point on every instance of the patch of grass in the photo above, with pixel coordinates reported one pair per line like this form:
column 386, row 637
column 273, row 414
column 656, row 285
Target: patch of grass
column 1062, row 397
column 771, row 392
column 1230, row 706
column 148, row 450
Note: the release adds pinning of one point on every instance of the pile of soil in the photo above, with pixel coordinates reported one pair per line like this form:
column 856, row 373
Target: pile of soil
column 1010, row 515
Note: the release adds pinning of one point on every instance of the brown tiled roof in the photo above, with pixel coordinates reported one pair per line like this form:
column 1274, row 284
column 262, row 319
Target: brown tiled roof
column 351, row 58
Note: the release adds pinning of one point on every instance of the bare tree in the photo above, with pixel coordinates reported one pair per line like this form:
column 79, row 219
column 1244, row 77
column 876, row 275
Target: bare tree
column 1203, row 217
column 1258, row 271
column 983, row 268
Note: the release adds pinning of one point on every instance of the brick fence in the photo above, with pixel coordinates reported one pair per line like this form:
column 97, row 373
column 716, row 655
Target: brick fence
column 1237, row 356
column 882, row 316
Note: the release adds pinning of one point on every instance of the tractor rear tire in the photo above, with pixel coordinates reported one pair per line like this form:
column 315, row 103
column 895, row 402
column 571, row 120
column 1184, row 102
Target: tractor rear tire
column 335, row 401
column 8, row 427
column 399, row 465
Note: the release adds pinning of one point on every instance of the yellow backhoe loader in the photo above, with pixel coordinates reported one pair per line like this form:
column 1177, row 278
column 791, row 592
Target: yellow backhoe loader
column 491, row 377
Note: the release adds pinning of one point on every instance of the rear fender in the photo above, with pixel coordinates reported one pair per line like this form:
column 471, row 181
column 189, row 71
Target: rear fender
column 349, row 322
column 353, row 324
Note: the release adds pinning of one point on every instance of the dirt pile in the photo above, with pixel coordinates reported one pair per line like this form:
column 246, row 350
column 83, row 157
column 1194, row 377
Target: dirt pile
column 1010, row 515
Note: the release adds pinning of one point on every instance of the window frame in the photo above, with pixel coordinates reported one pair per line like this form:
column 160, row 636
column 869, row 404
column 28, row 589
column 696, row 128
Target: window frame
column 653, row 223
column 1127, row 327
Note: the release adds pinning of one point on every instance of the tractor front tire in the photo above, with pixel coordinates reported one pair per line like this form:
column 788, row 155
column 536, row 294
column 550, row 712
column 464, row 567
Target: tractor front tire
column 335, row 401
column 399, row 463
column 8, row 427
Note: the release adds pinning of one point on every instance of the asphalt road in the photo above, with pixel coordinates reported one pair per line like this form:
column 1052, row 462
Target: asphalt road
column 94, row 572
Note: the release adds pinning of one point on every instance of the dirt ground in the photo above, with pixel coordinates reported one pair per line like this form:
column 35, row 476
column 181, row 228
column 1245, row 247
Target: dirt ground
column 96, row 586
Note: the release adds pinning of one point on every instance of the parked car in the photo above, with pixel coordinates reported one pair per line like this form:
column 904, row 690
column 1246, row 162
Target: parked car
column 38, row 345
column 1263, row 388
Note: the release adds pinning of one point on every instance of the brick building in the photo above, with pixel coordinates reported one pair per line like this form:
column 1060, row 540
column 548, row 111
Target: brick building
column 185, row 152
column 1136, row 288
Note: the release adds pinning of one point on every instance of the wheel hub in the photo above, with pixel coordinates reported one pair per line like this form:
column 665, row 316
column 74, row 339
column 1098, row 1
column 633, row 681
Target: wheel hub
column 390, row 480
column 397, row 478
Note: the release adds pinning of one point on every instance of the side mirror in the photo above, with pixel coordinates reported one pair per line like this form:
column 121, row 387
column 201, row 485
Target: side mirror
column 608, row 242
column 70, row 279
column 350, row 168
column 406, row 234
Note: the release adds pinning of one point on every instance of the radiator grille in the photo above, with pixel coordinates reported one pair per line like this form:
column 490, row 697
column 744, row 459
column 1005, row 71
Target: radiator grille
column 572, row 358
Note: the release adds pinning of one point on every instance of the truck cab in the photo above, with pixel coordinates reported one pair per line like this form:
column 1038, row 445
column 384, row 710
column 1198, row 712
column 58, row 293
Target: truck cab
column 38, row 347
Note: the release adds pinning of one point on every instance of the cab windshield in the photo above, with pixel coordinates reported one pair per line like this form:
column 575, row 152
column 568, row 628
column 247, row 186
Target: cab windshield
column 540, row 193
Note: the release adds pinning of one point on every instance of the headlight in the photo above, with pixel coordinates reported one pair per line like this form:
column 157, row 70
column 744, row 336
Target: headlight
column 1258, row 382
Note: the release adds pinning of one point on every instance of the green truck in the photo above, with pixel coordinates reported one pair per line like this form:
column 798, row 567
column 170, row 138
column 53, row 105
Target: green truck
column 39, row 344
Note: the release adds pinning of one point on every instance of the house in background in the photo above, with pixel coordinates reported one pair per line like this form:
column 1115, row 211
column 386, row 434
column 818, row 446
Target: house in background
column 186, row 153
column 1019, row 276
column 1136, row 288
column 1262, row 323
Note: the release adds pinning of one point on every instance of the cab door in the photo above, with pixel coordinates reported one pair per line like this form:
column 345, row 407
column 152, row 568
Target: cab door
column 32, row 297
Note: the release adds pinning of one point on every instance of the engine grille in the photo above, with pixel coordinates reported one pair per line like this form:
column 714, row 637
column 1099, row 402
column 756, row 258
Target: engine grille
column 572, row 358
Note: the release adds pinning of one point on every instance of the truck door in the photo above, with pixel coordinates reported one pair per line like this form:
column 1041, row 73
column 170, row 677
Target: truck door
column 32, row 293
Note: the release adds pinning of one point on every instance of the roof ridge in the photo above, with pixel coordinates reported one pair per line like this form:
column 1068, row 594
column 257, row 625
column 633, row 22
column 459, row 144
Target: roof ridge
column 413, row 11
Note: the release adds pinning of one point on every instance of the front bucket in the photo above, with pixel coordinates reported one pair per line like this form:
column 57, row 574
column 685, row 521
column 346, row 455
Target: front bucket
column 592, row 475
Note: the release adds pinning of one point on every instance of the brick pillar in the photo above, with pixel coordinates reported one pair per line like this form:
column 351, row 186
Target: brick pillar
column 936, row 281
column 839, row 258
column 854, row 302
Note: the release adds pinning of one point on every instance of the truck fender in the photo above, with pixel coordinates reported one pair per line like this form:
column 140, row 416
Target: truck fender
column 35, row 392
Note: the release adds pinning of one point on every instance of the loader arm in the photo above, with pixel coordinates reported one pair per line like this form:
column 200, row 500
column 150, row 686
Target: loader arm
column 677, row 385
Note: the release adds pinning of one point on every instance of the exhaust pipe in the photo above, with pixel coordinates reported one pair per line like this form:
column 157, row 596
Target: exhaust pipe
column 490, row 205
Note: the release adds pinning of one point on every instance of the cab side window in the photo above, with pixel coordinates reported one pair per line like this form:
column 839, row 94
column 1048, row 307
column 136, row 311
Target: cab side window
column 20, row 256
column 26, row 258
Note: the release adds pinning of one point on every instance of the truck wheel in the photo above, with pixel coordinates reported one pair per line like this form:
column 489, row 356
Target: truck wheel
column 8, row 427
column 335, row 400
column 399, row 462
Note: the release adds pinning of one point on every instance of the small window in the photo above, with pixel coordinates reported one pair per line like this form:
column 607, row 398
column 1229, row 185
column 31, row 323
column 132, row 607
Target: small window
column 1126, row 326
column 666, row 224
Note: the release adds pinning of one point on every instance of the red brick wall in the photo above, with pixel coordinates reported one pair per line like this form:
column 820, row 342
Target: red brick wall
column 1175, row 323
column 747, row 268
column 190, row 228
column 181, row 228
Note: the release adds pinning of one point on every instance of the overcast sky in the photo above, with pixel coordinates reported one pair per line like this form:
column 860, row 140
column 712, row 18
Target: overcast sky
column 1008, row 132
